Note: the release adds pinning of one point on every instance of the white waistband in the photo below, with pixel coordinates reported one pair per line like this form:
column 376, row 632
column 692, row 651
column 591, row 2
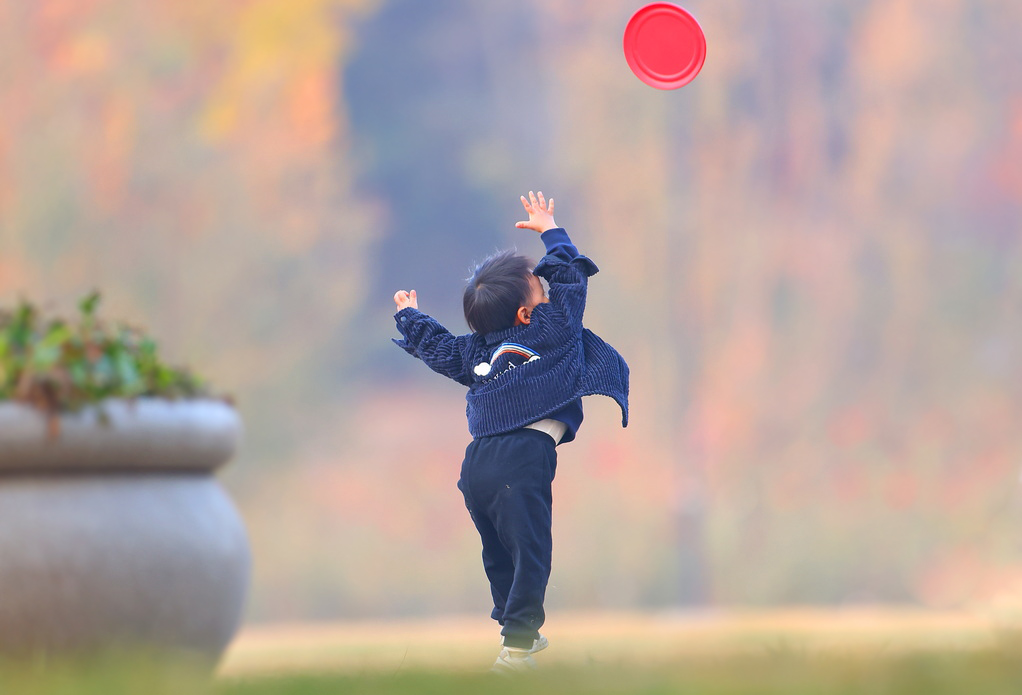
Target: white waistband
column 555, row 428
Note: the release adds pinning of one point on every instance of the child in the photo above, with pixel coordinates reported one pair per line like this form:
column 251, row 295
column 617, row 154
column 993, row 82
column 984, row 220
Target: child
column 526, row 364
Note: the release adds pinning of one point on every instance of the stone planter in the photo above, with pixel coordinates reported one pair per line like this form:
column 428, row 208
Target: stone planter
column 116, row 534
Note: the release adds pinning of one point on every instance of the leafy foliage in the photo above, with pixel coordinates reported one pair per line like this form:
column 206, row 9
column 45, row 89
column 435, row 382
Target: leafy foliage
column 58, row 365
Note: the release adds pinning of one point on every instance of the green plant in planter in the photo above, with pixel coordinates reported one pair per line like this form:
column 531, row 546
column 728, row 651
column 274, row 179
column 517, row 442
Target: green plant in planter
column 60, row 366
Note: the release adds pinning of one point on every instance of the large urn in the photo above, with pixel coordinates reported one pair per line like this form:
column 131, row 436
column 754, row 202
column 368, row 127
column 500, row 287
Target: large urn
column 114, row 531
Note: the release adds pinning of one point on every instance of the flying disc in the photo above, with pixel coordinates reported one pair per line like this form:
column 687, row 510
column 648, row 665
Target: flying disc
column 664, row 45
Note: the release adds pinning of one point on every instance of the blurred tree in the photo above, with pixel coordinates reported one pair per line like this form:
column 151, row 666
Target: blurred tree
column 431, row 92
column 805, row 247
column 810, row 257
column 189, row 161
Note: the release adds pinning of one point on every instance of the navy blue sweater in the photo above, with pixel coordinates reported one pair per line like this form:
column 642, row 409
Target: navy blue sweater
column 526, row 373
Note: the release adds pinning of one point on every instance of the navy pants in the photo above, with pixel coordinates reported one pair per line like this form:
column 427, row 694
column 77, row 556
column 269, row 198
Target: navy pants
column 506, row 483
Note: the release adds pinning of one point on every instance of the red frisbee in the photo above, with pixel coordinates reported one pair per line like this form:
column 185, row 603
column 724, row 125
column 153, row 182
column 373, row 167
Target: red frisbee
column 664, row 45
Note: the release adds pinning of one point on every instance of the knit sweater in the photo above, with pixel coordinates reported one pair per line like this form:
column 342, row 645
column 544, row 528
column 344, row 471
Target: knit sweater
column 525, row 373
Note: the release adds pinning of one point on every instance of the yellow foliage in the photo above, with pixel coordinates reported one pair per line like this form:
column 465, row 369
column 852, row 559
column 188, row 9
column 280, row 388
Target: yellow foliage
column 281, row 54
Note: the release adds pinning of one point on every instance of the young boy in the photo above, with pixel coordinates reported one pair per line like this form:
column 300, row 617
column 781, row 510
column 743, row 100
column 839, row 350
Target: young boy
column 527, row 364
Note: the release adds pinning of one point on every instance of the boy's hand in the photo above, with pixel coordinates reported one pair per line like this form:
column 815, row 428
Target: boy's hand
column 405, row 299
column 541, row 214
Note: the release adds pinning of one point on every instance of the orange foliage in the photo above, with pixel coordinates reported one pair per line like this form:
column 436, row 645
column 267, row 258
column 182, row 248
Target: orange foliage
column 810, row 259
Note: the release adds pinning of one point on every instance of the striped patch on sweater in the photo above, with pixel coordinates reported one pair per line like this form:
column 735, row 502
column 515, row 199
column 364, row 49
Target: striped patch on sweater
column 483, row 368
column 513, row 349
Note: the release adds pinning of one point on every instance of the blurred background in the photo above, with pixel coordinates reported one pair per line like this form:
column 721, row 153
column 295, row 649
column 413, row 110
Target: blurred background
column 810, row 258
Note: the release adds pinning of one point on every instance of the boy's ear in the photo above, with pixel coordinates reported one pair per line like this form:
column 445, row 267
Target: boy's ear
column 523, row 317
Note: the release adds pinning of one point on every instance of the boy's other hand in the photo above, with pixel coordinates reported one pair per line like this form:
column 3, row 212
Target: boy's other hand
column 541, row 213
column 405, row 299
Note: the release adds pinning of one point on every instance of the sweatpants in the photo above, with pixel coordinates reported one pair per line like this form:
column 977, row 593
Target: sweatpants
column 506, row 483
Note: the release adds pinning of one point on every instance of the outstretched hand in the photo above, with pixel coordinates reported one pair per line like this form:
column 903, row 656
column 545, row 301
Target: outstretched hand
column 541, row 213
column 405, row 299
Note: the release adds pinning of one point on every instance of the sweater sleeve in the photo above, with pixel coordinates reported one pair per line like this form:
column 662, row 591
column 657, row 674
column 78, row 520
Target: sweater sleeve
column 567, row 272
column 438, row 348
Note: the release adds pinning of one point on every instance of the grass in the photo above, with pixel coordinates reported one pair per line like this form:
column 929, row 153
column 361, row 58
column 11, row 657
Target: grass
column 934, row 674
column 110, row 674
column 783, row 672
column 793, row 653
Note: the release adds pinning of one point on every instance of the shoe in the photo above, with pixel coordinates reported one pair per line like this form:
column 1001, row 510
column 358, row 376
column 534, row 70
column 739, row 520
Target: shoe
column 538, row 645
column 511, row 660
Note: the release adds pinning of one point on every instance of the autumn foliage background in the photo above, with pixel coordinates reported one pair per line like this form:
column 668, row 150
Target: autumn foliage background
column 810, row 257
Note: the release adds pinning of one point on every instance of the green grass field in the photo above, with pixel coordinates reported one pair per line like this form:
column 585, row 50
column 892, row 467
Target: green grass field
column 836, row 653
column 779, row 673
column 783, row 672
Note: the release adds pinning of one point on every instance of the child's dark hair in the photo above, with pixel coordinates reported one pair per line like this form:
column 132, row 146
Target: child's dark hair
column 498, row 287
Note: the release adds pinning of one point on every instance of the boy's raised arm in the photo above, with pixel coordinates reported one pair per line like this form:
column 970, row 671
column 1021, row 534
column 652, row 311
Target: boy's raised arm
column 564, row 268
column 424, row 337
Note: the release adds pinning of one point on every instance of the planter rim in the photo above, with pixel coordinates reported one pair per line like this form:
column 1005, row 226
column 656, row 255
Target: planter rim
column 117, row 434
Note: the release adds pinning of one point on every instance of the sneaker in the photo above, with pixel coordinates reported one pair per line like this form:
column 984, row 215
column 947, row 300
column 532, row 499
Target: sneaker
column 511, row 660
column 539, row 645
